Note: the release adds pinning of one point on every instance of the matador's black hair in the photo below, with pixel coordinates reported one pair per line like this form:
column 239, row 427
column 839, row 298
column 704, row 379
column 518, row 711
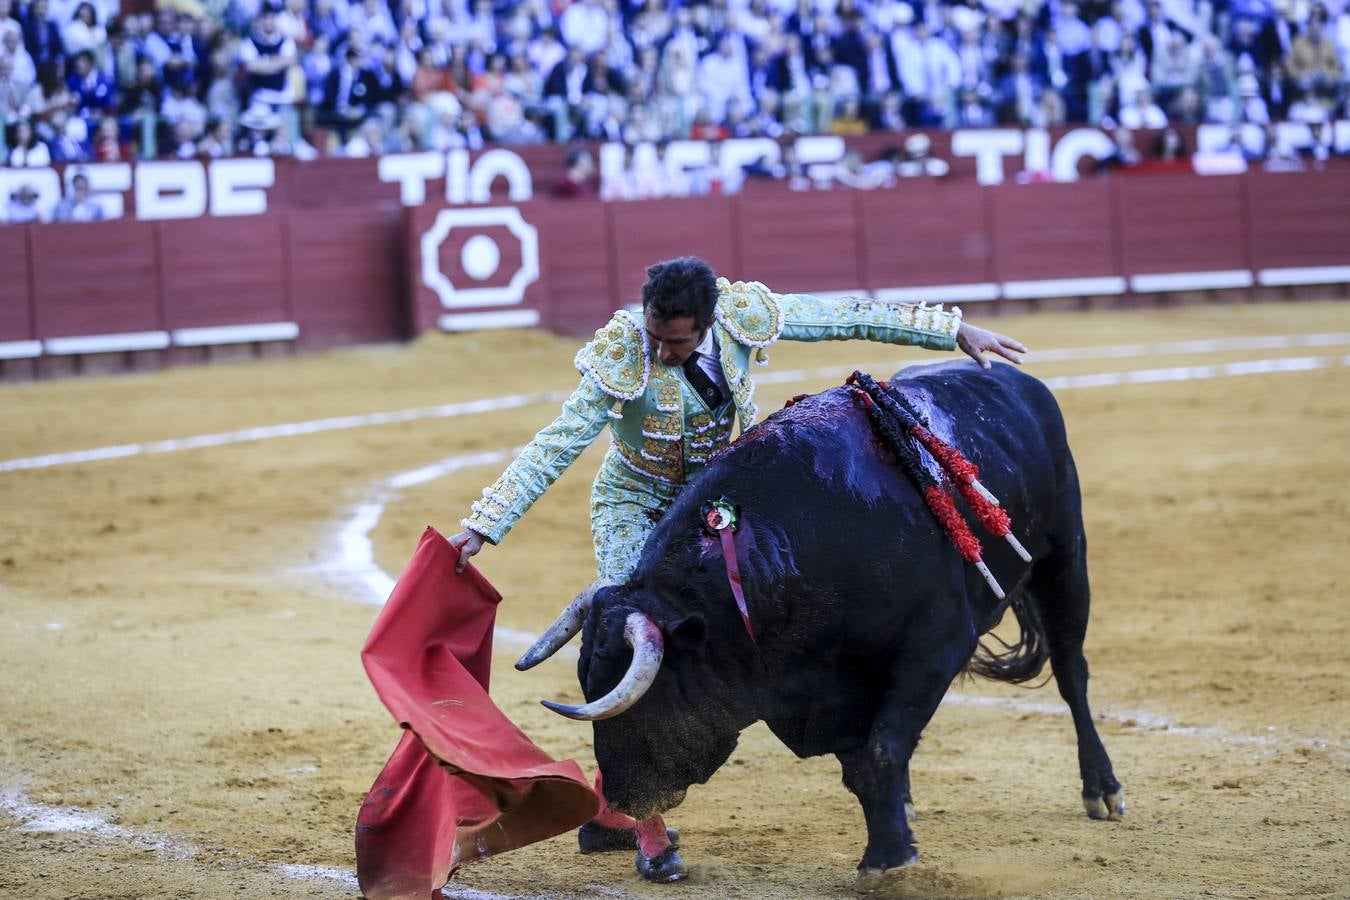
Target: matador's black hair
column 681, row 287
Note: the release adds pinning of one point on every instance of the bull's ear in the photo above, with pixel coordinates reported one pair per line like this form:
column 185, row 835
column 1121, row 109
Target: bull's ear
column 689, row 633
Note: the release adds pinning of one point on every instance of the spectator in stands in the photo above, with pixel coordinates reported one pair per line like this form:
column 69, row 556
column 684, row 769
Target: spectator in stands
column 315, row 65
column 330, row 19
column 1123, row 154
column 108, row 145
column 83, row 32
column 92, row 90
column 267, row 56
column 26, row 148
column 22, row 205
column 385, row 82
column 184, row 117
column 889, row 115
column 1216, row 80
column 579, row 179
column 1314, row 64
column 346, row 95
column 77, row 205
column 1019, row 93
column 723, row 75
column 13, row 93
column 973, row 111
column 41, row 36
column 371, row 139
column 374, row 20
column 703, row 128
column 122, row 52
column 261, row 132
column 1170, row 147
column 1251, row 106
column 642, row 69
column 68, row 137
column 585, row 26
column 848, row 119
column 140, row 105
column 49, row 93
column 878, row 74
column 1142, row 112
column 917, row 160
column 23, row 70
column 1186, row 108
column 218, row 141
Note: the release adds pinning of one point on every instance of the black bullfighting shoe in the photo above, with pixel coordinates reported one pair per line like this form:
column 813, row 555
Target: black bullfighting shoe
column 596, row 838
column 663, row 868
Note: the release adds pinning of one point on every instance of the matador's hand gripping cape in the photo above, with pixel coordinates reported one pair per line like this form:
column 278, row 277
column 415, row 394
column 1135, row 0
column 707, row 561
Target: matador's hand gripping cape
column 661, row 429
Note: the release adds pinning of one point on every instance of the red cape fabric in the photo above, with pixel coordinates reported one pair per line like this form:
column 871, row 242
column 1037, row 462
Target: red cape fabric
column 464, row 783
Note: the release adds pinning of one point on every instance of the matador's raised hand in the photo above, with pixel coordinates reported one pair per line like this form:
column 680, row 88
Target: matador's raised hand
column 976, row 341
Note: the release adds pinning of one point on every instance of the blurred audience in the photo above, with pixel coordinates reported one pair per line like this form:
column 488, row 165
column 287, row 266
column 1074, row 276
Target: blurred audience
column 87, row 80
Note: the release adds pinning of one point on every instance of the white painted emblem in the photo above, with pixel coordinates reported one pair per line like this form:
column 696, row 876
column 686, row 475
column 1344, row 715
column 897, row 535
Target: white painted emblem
column 480, row 257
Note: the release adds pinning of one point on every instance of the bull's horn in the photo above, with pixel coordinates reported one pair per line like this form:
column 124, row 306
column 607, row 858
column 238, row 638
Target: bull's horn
column 563, row 628
column 644, row 637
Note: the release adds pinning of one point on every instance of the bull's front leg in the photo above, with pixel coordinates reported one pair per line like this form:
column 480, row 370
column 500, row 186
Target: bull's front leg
column 878, row 772
column 875, row 775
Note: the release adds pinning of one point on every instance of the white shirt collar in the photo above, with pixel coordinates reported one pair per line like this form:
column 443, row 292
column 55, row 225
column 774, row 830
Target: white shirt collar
column 705, row 346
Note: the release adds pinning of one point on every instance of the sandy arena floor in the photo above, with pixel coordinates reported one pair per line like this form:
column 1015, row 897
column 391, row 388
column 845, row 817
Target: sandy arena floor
column 184, row 713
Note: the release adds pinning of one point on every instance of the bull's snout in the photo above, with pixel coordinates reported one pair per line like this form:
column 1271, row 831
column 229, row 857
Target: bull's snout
column 644, row 807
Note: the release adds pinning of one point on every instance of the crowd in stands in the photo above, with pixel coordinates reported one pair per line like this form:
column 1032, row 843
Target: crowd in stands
column 85, row 80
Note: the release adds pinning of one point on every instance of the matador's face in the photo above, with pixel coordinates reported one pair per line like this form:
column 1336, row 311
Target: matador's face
column 674, row 339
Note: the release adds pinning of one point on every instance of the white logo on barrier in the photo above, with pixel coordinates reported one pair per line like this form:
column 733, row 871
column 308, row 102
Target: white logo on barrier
column 480, row 257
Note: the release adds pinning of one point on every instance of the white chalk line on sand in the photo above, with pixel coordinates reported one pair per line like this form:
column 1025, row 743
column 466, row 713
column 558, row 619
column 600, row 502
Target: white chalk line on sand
column 355, row 558
column 356, row 561
column 513, row 401
column 42, row 818
column 288, row 429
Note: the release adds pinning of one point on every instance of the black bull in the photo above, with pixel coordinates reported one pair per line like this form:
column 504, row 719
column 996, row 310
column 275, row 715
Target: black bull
column 862, row 609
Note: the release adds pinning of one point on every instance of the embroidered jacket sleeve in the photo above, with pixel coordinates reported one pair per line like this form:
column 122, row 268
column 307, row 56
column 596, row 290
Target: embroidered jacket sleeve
column 758, row 317
column 808, row 318
column 557, row 445
column 614, row 369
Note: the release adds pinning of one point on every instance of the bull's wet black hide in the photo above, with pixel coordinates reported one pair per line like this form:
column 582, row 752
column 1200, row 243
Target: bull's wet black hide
column 863, row 612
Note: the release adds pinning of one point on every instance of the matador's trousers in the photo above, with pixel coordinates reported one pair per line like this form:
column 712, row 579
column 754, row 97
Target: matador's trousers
column 625, row 507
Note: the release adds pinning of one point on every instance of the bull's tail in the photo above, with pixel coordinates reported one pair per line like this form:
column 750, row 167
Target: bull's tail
column 1022, row 660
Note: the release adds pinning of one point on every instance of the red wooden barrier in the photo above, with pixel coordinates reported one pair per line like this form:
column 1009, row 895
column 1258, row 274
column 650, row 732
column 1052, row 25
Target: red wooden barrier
column 322, row 269
column 644, row 233
column 1299, row 220
column 1171, row 224
column 925, row 232
column 16, row 320
column 94, row 279
column 347, row 274
column 220, row 272
column 1044, row 231
column 574, row 252
column 800, row 240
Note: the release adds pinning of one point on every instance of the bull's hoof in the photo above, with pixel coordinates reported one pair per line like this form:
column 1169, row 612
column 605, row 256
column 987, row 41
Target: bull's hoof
column 872, row 880
column 596, row 838
column 1111, row 807
column 663, row 868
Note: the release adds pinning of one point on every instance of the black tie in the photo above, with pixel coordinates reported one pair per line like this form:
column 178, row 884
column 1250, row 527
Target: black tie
column 701, row 382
